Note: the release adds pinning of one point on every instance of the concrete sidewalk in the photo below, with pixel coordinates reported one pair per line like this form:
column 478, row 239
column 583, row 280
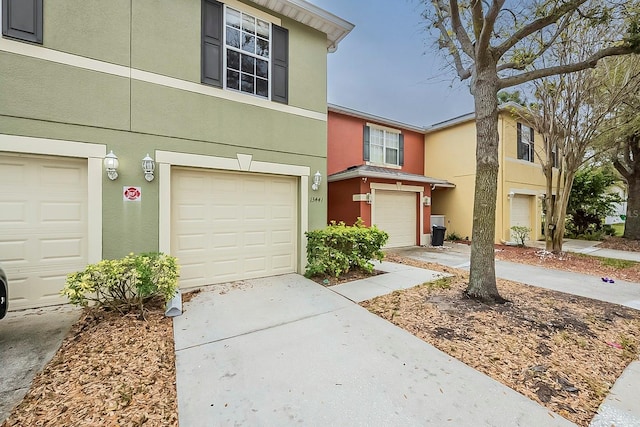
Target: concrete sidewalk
column 284, row 350
column 620, row 408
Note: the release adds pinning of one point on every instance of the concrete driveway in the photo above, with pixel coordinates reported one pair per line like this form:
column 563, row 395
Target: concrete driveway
column 287, row 351
column 28, row 340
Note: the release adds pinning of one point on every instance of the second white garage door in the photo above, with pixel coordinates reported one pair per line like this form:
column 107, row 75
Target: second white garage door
column 230, row 226
column 520, row 212
column 395, row 213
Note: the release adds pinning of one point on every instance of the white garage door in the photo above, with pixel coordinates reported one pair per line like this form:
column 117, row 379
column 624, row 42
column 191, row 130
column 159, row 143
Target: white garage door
column 395, row 213
column 232, row 226
column 520, row 212
column 43, row 226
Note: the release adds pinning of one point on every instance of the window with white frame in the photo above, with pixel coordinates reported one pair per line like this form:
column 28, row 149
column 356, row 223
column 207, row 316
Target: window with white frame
column 247, row 53
column 383, row 146
column 525, row 143
column 244, row 51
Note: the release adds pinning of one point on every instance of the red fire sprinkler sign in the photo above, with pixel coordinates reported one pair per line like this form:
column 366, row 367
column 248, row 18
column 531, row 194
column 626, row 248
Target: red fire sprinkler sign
column 131, row 194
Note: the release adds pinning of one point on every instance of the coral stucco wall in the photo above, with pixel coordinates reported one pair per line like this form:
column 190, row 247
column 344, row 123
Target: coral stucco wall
column 345, row 138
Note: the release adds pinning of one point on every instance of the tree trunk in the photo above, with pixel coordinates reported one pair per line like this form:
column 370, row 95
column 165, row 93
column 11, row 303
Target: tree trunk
column 632, row 223
column 562, row 200
column 482, row 276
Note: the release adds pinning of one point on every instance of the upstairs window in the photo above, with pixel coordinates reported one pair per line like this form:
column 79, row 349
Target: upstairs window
column 383, row 146
column 525, row 143
column 22, row 19
column 244, row 53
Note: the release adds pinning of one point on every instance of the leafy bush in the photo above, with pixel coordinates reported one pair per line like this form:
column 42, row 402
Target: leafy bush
column 124, row 284
column 521, row 234
column 338, row 248
column 453, row 236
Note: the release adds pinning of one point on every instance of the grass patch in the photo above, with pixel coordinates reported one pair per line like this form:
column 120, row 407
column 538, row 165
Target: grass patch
column 619, row 228
column 442, row 283
column 618, row 263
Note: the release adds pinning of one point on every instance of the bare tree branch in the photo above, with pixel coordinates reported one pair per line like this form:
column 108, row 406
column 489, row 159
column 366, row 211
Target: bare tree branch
column 458, row 28
column 484, row 38
column 590, row 62
column 537, row 25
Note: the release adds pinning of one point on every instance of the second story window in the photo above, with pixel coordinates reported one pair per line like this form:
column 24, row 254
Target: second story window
column 243, row 52
column 247, row 45
column 525, row 143
column 383, row 146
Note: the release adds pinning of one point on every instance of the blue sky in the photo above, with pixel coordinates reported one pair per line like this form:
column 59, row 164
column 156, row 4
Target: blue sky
column 387, row 66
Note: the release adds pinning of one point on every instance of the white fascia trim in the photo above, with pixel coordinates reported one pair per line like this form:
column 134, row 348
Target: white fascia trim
column 39, row 52
column 242, row 163
column 94, row 153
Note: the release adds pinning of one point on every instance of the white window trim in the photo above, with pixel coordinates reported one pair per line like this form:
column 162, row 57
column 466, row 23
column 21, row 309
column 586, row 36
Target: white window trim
column 384, row 148
column 264, row 17
column 528, row 129
column 94, row 154
column 242, row 163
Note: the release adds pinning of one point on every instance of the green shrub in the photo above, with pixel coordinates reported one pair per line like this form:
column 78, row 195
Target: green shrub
column 453, row 236
column 338, row 248
column 124, row 284
column 521, row 234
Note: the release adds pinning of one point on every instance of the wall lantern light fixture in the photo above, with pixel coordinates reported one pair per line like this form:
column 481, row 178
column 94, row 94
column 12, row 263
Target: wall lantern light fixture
column 111, row 164
column 148, row 166
column 317, row 179
column 511, row 194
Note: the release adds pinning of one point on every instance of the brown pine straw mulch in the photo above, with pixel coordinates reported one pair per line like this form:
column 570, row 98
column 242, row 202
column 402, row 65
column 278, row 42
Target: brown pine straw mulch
column 620, row 244
column 111, row 370
column 560, row 350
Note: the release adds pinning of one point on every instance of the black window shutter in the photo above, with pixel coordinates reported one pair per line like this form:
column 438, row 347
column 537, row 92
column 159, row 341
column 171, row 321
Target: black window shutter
column 22, row 19
column 520, row 145
column 401, row 150
column 279, row 64
column 212, row 49
column 531, row 150
column 365, row 144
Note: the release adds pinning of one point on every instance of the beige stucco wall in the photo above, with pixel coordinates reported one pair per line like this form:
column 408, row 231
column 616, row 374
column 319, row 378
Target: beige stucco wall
column 450, row 155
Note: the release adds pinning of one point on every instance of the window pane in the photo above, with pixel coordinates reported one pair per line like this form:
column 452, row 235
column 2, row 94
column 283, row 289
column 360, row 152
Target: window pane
column 376, row 154
column 262, row 87
column 248, row 64
column 263, row 29
column 392, row 156
column 247, row 83
column 392, row 140
column 262, row 68
column 233, row 37
column 248, row 43
column 233, row 59
column 248, row 24
column 233, row 18
column 262, row 48
column 233, row 79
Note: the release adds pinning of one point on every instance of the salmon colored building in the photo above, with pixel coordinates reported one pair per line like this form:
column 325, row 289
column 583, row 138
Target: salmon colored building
column 375, row 169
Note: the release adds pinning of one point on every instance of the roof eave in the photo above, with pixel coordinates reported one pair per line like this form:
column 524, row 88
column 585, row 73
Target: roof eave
column 311, row 15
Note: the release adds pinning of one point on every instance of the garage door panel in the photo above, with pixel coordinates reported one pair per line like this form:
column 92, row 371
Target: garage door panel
column 43, row 225
column 395, row 213
column 248, row 219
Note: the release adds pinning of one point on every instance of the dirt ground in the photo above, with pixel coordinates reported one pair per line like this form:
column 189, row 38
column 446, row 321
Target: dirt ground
column 560, row 350
column 620, row 244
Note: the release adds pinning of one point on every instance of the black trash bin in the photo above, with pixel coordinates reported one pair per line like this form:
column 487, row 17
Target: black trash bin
column 437, row 235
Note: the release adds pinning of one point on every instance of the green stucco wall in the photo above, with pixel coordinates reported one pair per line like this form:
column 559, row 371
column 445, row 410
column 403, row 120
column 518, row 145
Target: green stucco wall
column 46, row 99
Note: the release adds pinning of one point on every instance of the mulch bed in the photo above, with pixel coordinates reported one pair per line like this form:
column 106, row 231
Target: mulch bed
column 558, row 349
column 355, row 274
column 570, row 262
column 111, row 370
column 620, row 244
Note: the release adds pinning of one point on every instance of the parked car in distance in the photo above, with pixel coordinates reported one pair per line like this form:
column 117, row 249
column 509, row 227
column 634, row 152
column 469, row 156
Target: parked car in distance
column 4, row 293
